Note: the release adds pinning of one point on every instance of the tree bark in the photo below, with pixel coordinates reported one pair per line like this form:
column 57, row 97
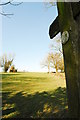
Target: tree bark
column 71, row 56
column 78, row 23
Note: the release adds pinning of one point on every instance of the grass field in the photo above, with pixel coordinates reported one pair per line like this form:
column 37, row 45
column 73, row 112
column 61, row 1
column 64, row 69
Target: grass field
column 33, row 95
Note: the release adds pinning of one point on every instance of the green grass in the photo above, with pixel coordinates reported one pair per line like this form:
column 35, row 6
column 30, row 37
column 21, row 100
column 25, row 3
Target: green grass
column 33, row 95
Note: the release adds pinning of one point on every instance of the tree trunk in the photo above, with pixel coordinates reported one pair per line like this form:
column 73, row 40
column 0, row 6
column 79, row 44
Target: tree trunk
column 71, row 56
column 49, row 68
column 78, row 22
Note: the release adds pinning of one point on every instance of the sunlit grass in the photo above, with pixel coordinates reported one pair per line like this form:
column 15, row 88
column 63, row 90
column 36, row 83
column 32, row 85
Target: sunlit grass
column 33, row 95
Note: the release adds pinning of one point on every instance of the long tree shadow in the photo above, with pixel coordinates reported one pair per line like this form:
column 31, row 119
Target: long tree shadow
column 9, row 75
column 40, row 105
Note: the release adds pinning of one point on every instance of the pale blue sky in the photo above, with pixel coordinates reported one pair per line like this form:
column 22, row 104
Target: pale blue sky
column 25, row 34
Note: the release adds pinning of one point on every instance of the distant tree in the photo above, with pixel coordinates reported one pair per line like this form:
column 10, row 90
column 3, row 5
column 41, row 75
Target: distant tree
column 53, row 60
column 6, row 62
column 56, row 61
column 57, row 56
column 61, row 64
column 12, row 69
column 15, row 70
column 46, row 62
column 57, row 47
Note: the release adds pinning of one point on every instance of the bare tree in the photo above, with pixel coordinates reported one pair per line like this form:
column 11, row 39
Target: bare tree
column 57, row 47
column 46, row 62
column 57, row 54
column 53, row 60
column 6, row 62
column 57, row 61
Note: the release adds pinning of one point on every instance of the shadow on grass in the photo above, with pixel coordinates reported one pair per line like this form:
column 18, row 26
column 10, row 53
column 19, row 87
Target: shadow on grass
column 28, row 78
column 8, row 75
column 40, row 105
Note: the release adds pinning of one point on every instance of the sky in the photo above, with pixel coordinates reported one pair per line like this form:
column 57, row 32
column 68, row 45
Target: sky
column 26, row 34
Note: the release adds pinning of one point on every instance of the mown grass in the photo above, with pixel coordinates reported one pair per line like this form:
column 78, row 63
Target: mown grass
column 31, row 95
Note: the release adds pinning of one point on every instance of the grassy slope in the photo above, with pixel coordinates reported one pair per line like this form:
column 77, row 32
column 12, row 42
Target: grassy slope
column 34, row 95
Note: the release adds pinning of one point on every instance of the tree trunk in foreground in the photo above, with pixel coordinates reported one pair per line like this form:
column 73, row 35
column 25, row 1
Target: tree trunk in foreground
column 70, row 31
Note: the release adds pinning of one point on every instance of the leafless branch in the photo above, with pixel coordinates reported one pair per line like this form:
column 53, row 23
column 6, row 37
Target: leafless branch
column 5, row 14
column 6, row 3
column 16, row 3
column 10, row 2
column 49, row 4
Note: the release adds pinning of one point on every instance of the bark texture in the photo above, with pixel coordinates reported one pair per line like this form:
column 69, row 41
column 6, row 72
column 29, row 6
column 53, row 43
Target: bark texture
column 71, row 52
